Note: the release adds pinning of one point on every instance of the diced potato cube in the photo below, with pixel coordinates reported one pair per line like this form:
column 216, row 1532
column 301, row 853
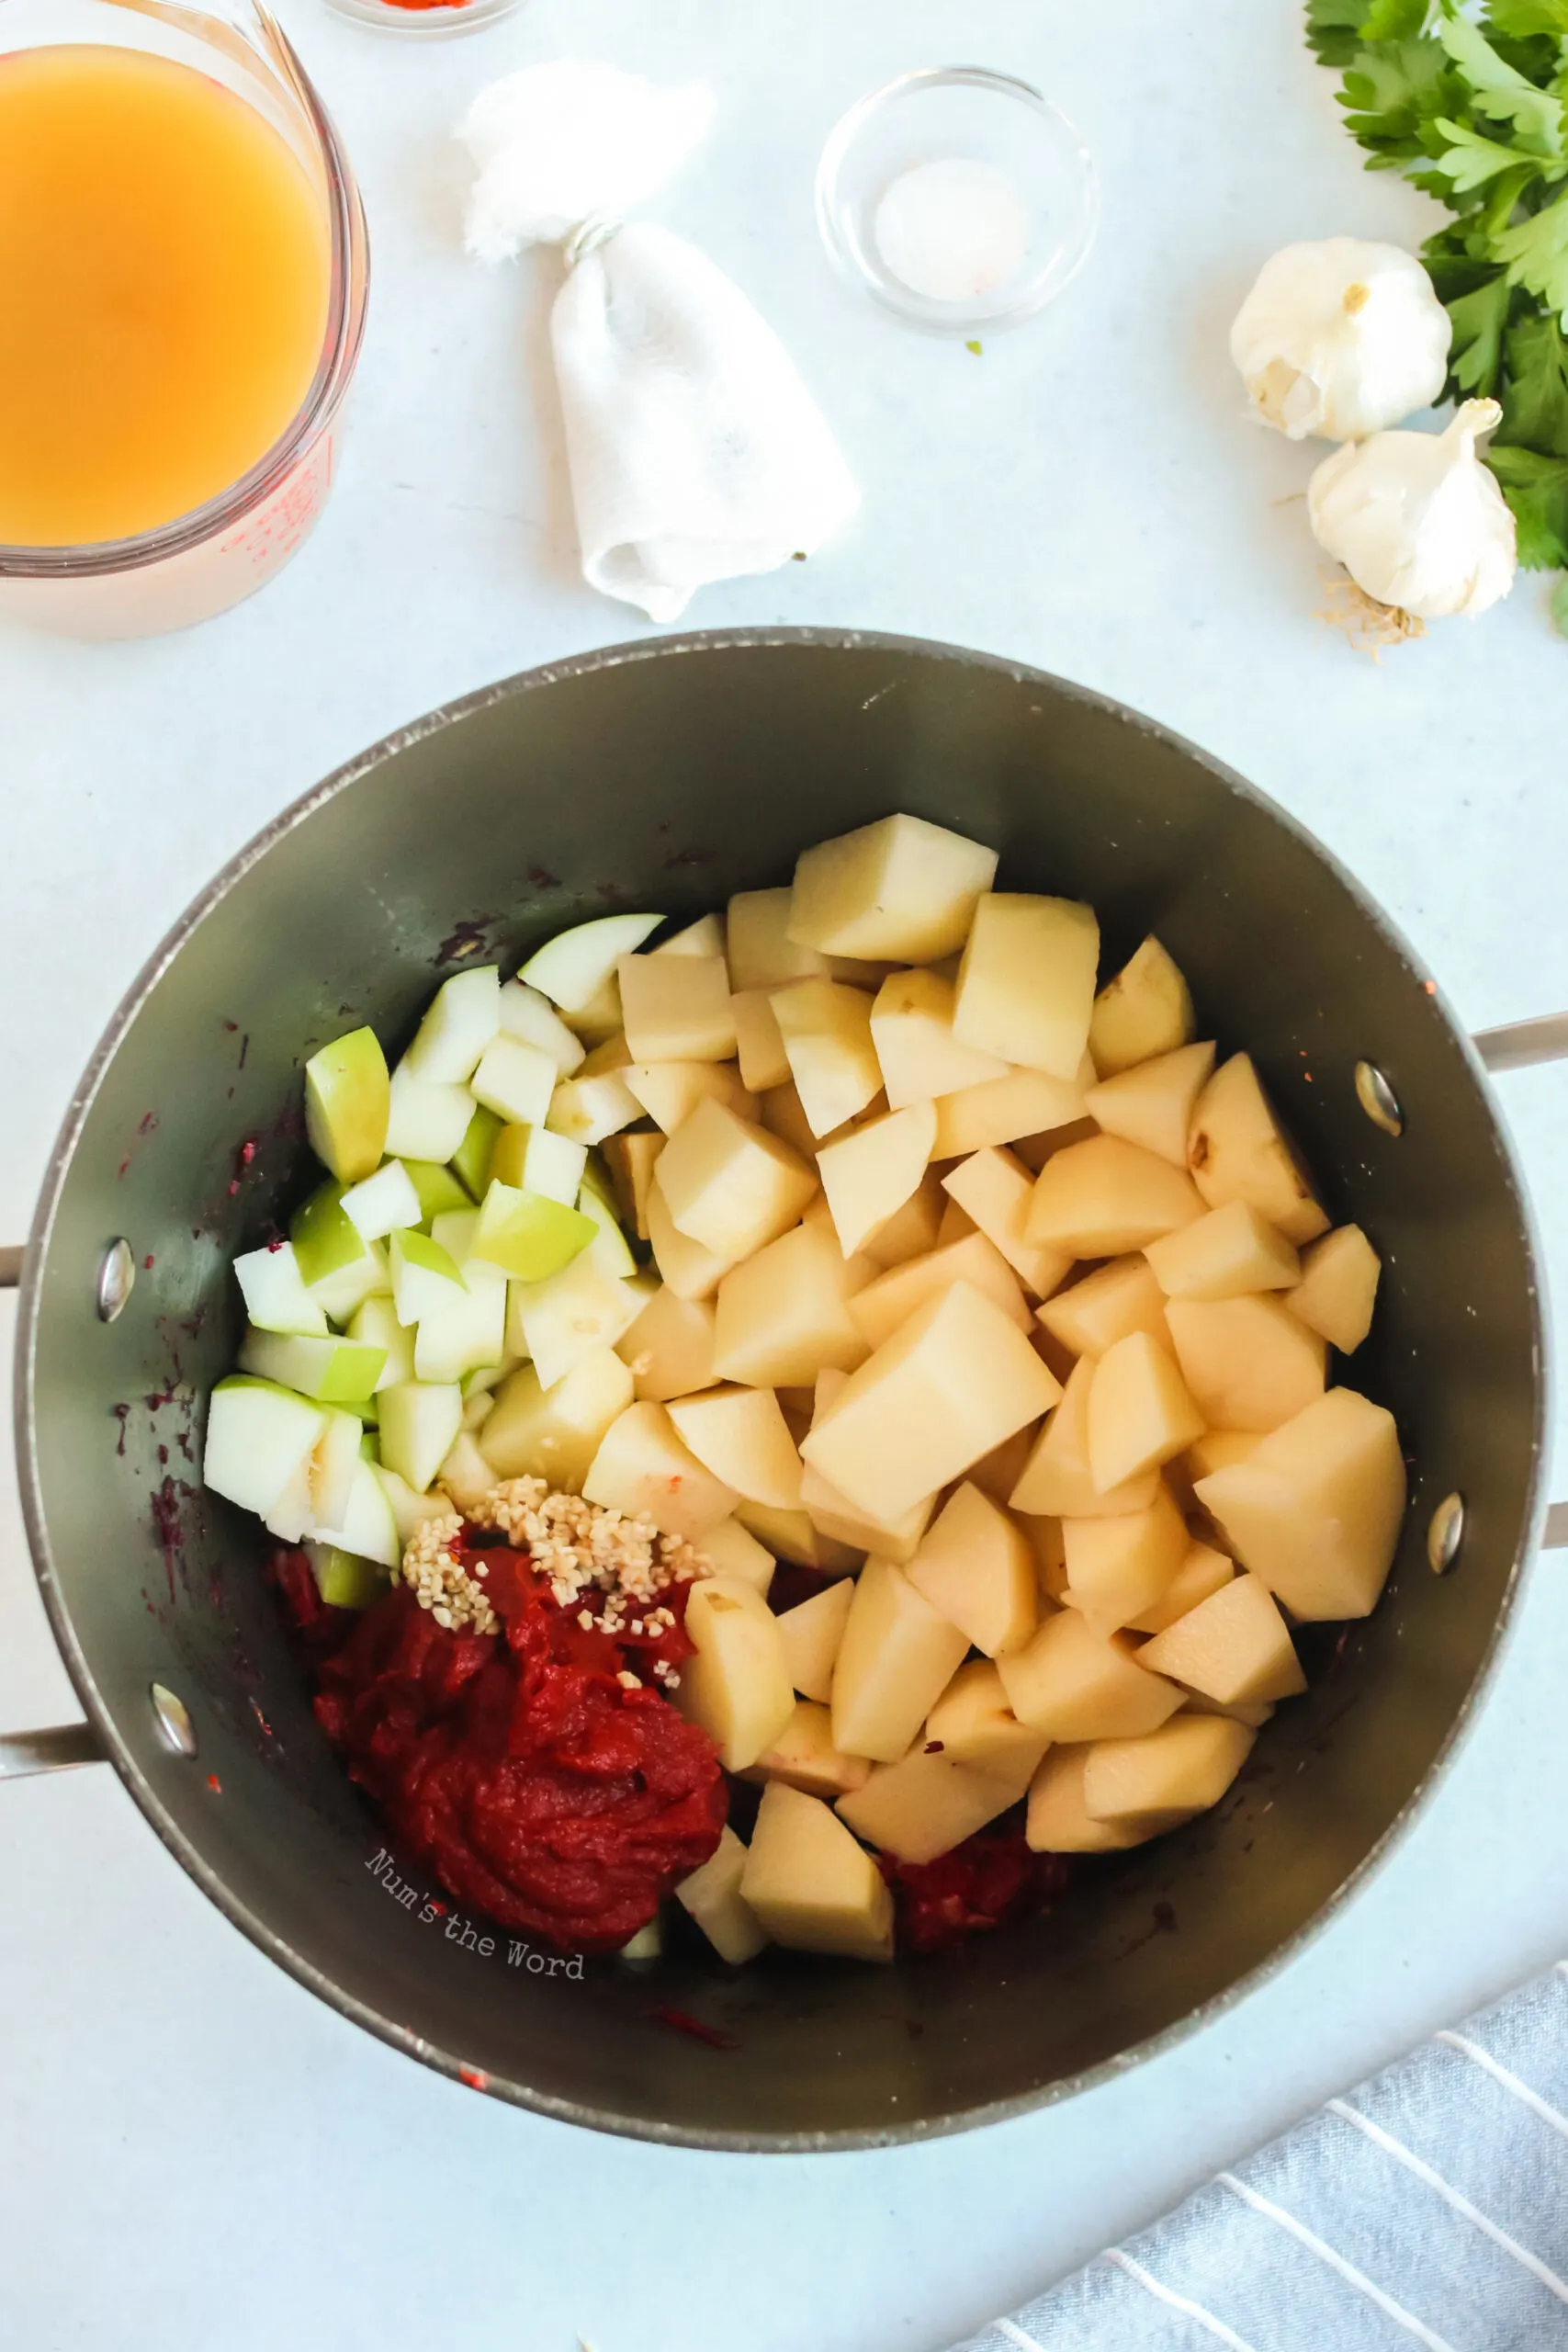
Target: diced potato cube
column 1073, row 1683
column 832, row 1513
column 600, row 1018
column 901, row 888
column 870, row 1171
column 1237, row 1152
column 740, row 1435
column 737, row 1687
column 1102, row 1196
column 811, row 1632
column 1026, row 984
column 1338, row 1287
column 1233, row 1646
column 641, row 1465
column 670, row 1092
column 1118, row 1567
column 1145, row 1011
column 924, row 1805
column 669, row 1348
column 1202, row 1571
column 1045, row 1540
column 1165, row 1777
column 689, row 1270
column 1026, row 1103
column 761, row 954
column 911, row 1027
column 1056, row 1482
column 826, row 1029
column 785, row 1314
column 783, row 1114
column 676, row 1008
column 759, row 1041
column 957, row 1225
column 857, row 1269
column 1317, row 1509
column 712, row 1895
column 631, row 1159
column 805, row 1755
column 1058, row 1821
column 972, row 1723
column 554, row 1433
column 952, row 1383
column 1230, row 1253
column 732, row 1550
column 911, row 1231
column 1248, row 1362
column 995, row 1189
column 1099, row 1309
column 1140, row 1414
column 997, row 1473
column 886, row 1304
column 896, row 1655
column 1152, row 1103
column 1217, row 1449
column 811, row 1884
column 976, row 1568
column 1253, row 1713
column 704, row 937
column 730, row 1185
column 790, row 1535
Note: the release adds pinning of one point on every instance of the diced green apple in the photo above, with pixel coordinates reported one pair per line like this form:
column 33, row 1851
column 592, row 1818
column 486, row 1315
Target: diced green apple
column 464, row 1016
column 368, row 1528
column 346, row 1104
column 334, row 1463
column 410, row 1511
column 515, row 1080
column 324, row 1240
column 343, row 1292
column 428, row 1117
column 573, row 966
column 437, row 1190
column 375, row 1325
column 258, row 1437
column 342, row 1579
column 466, row 1331
column 419, row 1421
column 464, row 1474
column 530, row 1238
column 532, row 1159
column 471, row 1159
column 590, row 1110
column 274, row 1293
column 380, row 1204
column 291, row 1517
column 424, row 1278
column 580, row 1309
column 454, row 1231
column 609, row 1248
column 525, row 1013
column 332, row 1371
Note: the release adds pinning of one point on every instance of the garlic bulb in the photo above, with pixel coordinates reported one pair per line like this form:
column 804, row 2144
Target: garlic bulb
column 1416, row 518
column 1341, row 338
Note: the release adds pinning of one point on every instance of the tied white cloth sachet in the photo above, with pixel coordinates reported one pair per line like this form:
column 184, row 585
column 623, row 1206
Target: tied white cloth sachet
column 696, row 452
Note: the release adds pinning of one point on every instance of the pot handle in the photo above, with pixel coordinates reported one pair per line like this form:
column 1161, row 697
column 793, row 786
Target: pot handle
column 1517, row 1046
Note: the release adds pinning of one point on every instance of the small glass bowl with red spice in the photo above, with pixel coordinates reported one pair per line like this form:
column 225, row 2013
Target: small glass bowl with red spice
column 425, row 17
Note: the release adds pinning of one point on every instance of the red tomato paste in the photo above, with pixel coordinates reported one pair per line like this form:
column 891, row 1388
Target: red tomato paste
column 989, row 1881
column 526, row 1777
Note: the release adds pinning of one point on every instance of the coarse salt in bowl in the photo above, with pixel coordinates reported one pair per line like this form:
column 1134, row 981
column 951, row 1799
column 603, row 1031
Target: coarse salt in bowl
column 958, row 198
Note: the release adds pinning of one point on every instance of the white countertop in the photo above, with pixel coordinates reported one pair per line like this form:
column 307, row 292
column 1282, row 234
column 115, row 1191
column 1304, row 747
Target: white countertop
column 193, row 2151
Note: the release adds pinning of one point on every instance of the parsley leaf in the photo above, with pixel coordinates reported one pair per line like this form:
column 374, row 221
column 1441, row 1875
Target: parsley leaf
column 1395, row 19
column 1391, row 93
column 1535, row 252
column 1334, row 29
column 1521, row 18
column 1499, row 90
column 1536, row 487
column 1537, row 414
column 1479, row 319
column 1470, row 158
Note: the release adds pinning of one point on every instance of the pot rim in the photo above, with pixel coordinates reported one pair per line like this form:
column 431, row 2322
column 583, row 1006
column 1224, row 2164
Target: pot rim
column 256, row 1928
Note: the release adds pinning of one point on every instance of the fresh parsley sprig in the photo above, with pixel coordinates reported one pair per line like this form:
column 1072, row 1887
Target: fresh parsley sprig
column 1473, row 109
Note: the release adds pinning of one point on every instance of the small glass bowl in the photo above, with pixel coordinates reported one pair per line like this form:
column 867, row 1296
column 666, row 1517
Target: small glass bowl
column 385, row 17
column 959, row 113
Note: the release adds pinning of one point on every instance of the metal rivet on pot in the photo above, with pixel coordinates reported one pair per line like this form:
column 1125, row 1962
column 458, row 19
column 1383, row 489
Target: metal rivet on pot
column 174, row 1720
column 117, row 1277
column 1445, row 1534
column 1378, row 1099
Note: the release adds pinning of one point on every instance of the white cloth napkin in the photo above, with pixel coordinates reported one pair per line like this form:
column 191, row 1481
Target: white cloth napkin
column 696, row 452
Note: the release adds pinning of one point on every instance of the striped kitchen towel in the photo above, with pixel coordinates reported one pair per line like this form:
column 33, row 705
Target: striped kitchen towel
column 1430, row 2207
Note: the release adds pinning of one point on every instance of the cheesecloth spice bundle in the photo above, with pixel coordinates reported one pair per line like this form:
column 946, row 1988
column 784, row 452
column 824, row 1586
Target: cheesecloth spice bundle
column 696, row 452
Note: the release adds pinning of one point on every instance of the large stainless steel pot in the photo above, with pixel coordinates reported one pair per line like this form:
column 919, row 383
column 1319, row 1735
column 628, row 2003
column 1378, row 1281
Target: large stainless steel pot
column 670, row 775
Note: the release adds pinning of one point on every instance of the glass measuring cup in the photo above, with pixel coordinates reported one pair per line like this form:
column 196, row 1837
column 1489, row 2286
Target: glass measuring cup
column 201, row 563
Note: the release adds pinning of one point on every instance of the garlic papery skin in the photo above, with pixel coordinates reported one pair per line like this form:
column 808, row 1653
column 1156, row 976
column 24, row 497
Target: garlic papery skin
column 1341, row 338
column 1416, row 519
